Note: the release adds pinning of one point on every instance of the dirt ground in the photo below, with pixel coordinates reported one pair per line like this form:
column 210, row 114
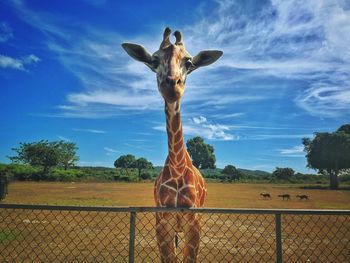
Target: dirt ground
column 83, row 236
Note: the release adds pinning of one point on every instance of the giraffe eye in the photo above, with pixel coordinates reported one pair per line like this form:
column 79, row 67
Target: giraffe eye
column 188, row 64
column 155, row 63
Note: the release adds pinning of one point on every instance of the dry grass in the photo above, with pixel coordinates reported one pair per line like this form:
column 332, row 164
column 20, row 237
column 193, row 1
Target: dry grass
column 141, row 194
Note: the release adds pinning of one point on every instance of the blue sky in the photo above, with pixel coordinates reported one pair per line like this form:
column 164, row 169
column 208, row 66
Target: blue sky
column 284, row 75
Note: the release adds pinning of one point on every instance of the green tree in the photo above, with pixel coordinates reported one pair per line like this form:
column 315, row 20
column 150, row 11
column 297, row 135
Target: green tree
column 202, row 154
column 344, row 128
column 125, row 161
column 128, row 161
column 141, row 164
column 329, row 153
column 67, row 153
column 231, row 172
column 43, row 153
column 283, row 173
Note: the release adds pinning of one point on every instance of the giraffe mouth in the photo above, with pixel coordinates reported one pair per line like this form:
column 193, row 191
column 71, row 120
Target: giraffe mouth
column 172, row 99
column 172, row 94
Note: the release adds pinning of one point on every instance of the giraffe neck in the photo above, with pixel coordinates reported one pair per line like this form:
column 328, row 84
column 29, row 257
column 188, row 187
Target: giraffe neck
column 176, row 147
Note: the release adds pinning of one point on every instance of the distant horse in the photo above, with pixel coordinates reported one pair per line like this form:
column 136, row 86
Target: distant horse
column 301, row 197
column 265, row 195
column 285, row 196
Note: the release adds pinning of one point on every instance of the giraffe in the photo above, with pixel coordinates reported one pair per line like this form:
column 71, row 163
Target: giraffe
column 180, row 183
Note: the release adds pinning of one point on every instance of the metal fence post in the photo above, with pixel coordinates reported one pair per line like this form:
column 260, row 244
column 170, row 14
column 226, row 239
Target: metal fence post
column 132, row 237
column 278, row 238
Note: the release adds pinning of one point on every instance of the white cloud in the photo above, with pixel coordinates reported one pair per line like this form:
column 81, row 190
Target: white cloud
column 90, row 130
column 210, row 131
column 138, row 146
column 31, row 59
column 324, row 100
column 228, row 115
column 63, row 138
column 199, row 120
column 17, row 63
column 110, row 151
column 292, row 151
column 201, row 126
column 8, row 62
column 118, row 98
column 283, row 38
column 6, row 32
column 286, row 39
column 276, row 136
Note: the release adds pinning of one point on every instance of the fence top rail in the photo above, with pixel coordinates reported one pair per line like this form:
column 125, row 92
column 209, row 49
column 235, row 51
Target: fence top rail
column 177, row 209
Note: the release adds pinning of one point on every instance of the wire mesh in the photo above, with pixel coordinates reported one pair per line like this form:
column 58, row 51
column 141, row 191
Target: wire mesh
column 39, row 234
column 63, row 236
column 223, row 238
column 316, row 238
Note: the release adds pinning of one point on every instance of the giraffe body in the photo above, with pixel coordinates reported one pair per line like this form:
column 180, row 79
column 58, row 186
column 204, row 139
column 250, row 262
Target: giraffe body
column 180, row 183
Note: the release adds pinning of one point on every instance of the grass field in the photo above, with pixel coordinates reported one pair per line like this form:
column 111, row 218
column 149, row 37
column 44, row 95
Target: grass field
column 141, row 194
column 82, row 236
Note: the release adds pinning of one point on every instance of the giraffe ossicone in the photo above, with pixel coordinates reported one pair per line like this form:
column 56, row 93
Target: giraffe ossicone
column 180, row 183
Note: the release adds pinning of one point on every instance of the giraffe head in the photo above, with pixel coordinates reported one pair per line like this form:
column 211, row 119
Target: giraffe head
column 172, row 63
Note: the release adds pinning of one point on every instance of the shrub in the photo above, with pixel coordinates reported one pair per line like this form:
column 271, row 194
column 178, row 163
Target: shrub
column 23, row 172
column 146, row 175
column 344, row 177
column 65, row 175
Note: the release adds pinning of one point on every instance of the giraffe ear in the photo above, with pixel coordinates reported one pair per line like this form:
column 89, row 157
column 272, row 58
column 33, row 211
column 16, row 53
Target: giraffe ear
column 138, row 52
column 205, row 58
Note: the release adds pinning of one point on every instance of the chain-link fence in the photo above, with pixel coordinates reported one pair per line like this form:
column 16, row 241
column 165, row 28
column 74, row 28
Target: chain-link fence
column 35, row 233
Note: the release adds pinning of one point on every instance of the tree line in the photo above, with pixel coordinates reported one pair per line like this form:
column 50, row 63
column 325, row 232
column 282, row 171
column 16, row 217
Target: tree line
column 328, row 153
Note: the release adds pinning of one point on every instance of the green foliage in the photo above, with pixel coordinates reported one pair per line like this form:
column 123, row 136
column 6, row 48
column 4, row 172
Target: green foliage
column 254, row 173
column 344, row 128
column 283, row 173
column 42, row 153
column 23, row 172
column 64, row 175
column 46, row 154
column 26, row 172
column 344, row 177
column 125, row 161
column 211, row 173
column 4, row 171
column 231, row 172
column 67, row 153
column 146, row 175
column 329, row 153
column 126, row 174
column 202, row 154
column 141, row 164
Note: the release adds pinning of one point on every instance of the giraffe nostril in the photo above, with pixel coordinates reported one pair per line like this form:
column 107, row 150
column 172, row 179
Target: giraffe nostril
column 171, row 81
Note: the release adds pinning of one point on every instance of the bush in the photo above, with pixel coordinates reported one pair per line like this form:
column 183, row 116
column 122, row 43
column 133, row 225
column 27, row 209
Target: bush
column 23, row 172
column 128, row 175
column 211, row 173
column 344, row 178
column 65, row 175
column 146, row 175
